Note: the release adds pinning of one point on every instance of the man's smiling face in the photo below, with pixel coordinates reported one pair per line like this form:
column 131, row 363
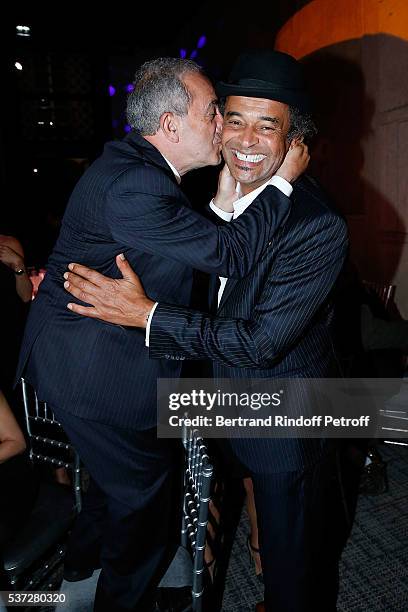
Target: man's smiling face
column 254, row 139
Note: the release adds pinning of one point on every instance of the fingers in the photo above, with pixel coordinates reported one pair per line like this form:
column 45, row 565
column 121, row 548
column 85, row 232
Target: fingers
column 86, row 311
column 73, row 281
column 296, row 141
column 305, row 152
column 225, row 180
column 299, row 149
column 126, row 269
column 224, row 177
column 81, row 291
column 91, row 275
column 97, row 279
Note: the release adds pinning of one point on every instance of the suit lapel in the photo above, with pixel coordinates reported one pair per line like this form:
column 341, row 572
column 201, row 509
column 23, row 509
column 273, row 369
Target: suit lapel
column 231, row 282
column 213, row 293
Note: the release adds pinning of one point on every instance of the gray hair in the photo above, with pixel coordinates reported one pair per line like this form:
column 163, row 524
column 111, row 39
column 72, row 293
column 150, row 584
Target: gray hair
column 159, row 88
column 300, row 125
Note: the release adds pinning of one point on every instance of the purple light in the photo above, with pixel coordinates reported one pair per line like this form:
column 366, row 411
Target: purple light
column 183, row 53
column 115, row 123
column 127, row 128
column 129, row 87
column 201, row 42
column 111, row 90
column 193, row 54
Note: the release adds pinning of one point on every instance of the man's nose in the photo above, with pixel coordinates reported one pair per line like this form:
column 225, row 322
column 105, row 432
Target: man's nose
column 248, row 137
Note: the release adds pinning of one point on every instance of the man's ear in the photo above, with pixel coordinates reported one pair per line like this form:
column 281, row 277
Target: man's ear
column 170, row 127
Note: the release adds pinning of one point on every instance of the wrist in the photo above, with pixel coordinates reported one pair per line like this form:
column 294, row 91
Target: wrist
column 143, row 316
column 287, row 176
column 282, row 184
column 18, row 266
column 225, row 205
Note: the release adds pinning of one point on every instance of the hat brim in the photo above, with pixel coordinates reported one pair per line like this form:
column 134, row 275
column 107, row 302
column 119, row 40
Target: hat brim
column 291, row 97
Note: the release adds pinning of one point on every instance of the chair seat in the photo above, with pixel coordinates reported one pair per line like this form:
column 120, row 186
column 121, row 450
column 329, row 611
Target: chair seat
column 51, row 517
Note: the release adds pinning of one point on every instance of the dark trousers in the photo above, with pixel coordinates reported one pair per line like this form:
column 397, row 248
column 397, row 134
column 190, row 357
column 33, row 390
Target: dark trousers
column 130, row 523
column 302, row 531
column 85, row 542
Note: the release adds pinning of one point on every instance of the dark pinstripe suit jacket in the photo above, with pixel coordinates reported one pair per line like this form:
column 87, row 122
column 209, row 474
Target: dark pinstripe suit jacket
column 129, row 201
column 275, row 323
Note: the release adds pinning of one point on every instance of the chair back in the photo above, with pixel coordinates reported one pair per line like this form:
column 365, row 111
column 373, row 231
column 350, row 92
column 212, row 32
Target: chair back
column 47, row 441
column 32, row 556
column 384, row 291
column 197, row 483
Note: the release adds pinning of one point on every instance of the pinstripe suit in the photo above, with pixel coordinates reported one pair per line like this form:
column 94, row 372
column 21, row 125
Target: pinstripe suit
column 275, row 323
column 98, row 376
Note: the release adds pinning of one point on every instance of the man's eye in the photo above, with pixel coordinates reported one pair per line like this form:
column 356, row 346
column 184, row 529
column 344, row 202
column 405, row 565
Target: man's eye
column 233, row 122
column 269, row 128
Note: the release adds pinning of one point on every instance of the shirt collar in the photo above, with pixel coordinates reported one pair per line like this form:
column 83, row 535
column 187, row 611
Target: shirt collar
column 245, row 200
column 174, row 170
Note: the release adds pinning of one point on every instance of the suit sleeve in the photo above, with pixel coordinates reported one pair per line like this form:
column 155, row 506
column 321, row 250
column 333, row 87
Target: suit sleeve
column 159, row 224
column 300, row 282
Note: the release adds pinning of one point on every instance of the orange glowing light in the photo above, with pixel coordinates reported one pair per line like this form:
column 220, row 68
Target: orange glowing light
column 326, row 22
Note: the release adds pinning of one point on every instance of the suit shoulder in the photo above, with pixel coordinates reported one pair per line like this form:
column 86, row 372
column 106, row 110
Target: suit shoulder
column 311, row 188
column 144, row 177
column 313, row 213
column 131, row 170
column 311, row 195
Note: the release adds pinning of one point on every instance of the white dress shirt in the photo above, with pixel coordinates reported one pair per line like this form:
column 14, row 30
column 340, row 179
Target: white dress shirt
column 173, row 169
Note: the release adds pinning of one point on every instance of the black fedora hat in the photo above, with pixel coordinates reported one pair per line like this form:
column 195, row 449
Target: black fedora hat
column 264, row 73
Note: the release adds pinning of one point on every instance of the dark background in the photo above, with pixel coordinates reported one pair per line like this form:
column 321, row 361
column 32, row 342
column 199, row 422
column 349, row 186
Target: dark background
column 57, row 111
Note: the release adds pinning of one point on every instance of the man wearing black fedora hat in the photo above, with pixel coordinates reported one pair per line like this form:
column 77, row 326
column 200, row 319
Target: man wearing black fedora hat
column 274, row 323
